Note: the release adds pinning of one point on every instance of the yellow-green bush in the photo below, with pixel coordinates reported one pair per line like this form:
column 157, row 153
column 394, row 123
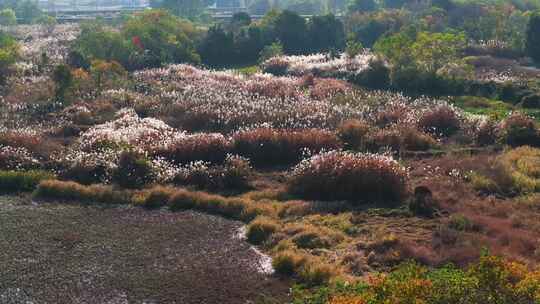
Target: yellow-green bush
column 314, row 273
column 235, row 208
column 515, row 172
column 522, row 165
column 308, row 270
column 71, row 191
column 483, row 183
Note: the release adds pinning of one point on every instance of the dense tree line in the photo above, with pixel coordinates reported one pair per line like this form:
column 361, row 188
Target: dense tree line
column 403, row 37
column 155, row 37
column 242, row 41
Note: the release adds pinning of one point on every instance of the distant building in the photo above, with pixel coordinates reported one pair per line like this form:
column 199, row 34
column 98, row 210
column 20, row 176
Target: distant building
column 62, row 5
column 227, row 3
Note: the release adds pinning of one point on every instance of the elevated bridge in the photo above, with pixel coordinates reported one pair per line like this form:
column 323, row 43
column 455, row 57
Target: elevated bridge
column 74, row 10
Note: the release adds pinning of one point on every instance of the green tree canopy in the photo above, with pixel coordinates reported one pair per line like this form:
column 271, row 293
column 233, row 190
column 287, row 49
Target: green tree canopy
column 218, row 47
column 9, row 52
column 429, row 51
column 326, row 33
column 7, row 17
column 164, row 37
column 290, row 29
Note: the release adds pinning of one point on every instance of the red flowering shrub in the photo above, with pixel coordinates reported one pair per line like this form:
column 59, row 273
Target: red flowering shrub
column 211, row 148
column 442, row 120
column 349, row 176
column 519, row 130
column 267, row 146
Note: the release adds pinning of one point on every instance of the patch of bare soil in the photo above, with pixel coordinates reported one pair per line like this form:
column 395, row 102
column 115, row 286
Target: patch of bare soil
column 81, row 254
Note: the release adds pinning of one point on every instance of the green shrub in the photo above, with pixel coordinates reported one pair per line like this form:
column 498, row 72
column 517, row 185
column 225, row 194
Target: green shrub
column 288, row 262
column 259, row 230
column 21, row 181
column 311, row 237
column 133, row 171
column 531, row 101
column 85, row 173
column 376, row 76
column 461, row 223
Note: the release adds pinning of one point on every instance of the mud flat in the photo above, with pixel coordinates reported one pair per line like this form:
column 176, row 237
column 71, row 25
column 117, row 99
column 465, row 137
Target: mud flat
column 52, row 253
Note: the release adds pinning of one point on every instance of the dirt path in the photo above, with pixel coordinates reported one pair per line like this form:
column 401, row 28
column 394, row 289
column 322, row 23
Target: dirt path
column 75, row 254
